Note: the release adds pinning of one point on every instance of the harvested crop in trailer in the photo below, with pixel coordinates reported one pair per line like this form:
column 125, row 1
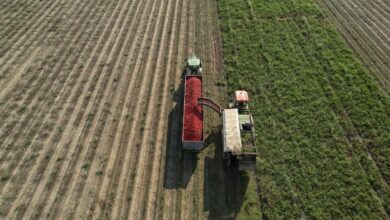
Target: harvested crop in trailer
column 193, row 118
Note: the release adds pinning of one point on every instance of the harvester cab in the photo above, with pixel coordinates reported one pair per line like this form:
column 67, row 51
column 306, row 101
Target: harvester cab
column 194, row 66
column 241, row 100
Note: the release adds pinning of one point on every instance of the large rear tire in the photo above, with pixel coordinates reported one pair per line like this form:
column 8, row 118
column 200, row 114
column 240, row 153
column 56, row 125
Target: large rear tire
column 200, row 71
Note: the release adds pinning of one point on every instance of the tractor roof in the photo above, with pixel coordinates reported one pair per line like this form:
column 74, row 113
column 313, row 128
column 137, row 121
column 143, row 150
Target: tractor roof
column 241, row 96
column 193, row 61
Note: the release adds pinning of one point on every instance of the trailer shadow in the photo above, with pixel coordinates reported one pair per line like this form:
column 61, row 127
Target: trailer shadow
column 224, row 185
column 179, row 165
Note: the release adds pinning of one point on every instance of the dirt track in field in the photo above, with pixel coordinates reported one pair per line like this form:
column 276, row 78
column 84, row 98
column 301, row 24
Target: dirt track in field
column 366, row 27
column 90, row 105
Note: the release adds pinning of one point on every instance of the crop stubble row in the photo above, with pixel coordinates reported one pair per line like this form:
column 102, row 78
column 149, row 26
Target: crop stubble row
column 86, row 118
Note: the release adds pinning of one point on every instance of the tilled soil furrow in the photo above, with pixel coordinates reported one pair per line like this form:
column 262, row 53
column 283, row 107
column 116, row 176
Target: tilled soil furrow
column 32, row 103
column 7, row 9
column 47, row 115
column 27, row 39
column 30, row 45
column 12, row 21
column 89, row 156
column 119, row 144
column 91, row 119
column 380, row 15
column 154, row 187
column 88, row 118
column 47, row 150
column 126, row 149
column 118, row 107
column 33, row 84
column 376, row 14
column 60, row 188
column 37, row 125
column 55, row 83
column 369, row 24
column 90, row 141
column 141, row 179
column 384, row 5
column 137, row 127
column 173, row 170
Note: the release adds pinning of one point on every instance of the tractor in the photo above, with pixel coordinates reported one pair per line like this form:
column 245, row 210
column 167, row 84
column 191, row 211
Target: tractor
column 194, row 66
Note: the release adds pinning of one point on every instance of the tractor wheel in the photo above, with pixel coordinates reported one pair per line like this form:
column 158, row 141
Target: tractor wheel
column 200, row 71
column 188, row 71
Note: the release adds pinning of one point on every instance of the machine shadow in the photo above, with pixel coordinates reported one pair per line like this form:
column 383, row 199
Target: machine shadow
column 179, row 165
column 224, row 185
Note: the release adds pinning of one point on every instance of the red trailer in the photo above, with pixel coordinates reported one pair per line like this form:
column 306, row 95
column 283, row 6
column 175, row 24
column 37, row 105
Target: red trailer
column 193, row 132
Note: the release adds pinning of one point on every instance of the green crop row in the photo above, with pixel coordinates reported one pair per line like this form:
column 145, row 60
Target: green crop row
column 322, row 123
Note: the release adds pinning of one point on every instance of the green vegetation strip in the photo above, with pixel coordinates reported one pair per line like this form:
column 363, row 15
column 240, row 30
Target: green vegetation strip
column 322, row 123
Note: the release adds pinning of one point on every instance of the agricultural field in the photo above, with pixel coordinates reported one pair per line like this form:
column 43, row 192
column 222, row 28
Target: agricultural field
column 366, row 27
column 322, row 121
column 90, row 111
column 91, row 96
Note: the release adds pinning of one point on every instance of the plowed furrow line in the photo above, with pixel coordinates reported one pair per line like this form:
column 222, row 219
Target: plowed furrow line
column 6, row 8
column 97, row 96
column 173, row 169
column 30, row 37
column 370, row 26
column 45, row 87
column 73, row 95
column 120, row 109
column 143, row 65
column 382, row 23
column 25, row 158
column 42, row 200
column 379, row 13
column 123, row 139
column 155, row 191
column 154, row 188
column 25, row 82
column 141, row 179
column 25, row 38
column 68, row 110
column 53, row 83
column 89, row 156
column 12, row 22
column 384, row 5
column 119, row 147
column 8, row 15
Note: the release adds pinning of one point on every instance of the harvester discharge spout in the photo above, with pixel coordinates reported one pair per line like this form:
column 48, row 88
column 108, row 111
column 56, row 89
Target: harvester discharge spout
column 210, row 103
